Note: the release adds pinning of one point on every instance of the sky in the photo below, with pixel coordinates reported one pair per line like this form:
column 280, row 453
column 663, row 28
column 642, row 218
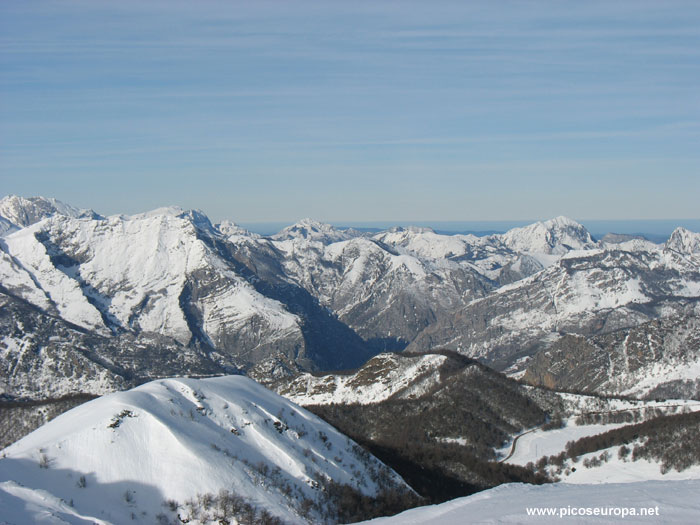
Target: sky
column 355, row 111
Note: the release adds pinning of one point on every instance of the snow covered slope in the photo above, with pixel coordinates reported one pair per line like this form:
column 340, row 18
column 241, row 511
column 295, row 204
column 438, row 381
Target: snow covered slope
column 134, row 455
column 385, row 296
column 584, row 292
column 660, row 358
column 382, row 377
column 549, row 238
column 676, row 501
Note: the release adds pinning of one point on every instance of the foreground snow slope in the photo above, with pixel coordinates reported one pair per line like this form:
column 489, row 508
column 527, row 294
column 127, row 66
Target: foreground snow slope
column 120, row 457
column 677, row 502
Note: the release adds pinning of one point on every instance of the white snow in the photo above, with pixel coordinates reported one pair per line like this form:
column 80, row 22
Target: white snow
column 63, row 291
column 174, row 439
column 135, row 270
column 398, row 373
column 677, row 502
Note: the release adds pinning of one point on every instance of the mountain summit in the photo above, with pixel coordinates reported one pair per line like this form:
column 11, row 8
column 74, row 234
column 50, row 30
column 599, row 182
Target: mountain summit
column 553, row 237
column 27, row 211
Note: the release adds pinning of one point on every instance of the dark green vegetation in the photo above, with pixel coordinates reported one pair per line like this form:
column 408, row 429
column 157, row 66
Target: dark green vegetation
column 442, row 442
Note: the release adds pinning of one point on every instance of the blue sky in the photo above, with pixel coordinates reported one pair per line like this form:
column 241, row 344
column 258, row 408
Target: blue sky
column 355, row 111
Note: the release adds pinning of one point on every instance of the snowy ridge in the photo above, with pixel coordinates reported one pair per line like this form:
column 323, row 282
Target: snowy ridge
column 379, row 379
column 243, row 299
column 120, row 457
column 488, row 256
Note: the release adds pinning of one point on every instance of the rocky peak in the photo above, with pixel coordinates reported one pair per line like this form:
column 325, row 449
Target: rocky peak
column 683, row 241
column 27, row 211
column 554, row 236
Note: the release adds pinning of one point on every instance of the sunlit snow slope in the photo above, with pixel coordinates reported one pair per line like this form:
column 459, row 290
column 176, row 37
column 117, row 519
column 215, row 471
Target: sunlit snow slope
column 120, row 457
column 677, row 502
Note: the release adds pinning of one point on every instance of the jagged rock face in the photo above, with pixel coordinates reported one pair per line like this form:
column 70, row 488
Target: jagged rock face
column 595, row 292
column 657, row 358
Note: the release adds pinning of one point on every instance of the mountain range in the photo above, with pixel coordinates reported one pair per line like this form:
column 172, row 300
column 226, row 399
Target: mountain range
column 93, row 304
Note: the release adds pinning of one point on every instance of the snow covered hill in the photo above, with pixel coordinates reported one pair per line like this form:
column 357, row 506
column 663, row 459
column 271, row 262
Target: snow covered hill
column 551, row 238
column 141, row 455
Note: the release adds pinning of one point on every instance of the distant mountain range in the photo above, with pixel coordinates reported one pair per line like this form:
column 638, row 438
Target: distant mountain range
column 93, row 304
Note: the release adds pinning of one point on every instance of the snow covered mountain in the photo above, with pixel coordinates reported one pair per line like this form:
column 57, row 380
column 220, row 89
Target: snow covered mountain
column 489, row 256
column 200, row 450
column 385, row 296
column 550, row 238
column 169, row 274
column 659, row 358
column 23, row 211
column 150, row 273
column 312, row 297
column 585, row 293
column 684, row 242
